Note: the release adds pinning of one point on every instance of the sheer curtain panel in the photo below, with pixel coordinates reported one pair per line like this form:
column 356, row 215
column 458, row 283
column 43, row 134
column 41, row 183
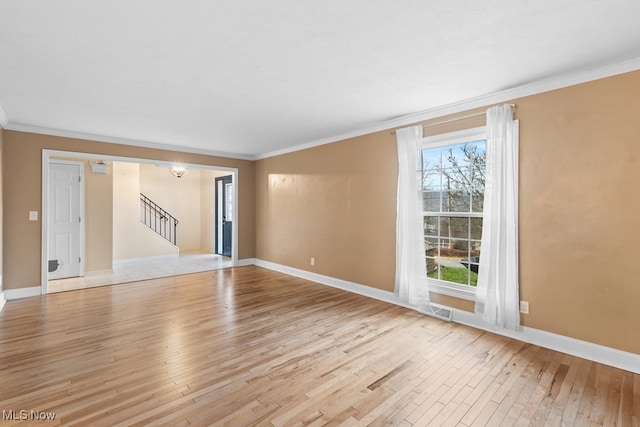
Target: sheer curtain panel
column 411, row 266
column 497, row 298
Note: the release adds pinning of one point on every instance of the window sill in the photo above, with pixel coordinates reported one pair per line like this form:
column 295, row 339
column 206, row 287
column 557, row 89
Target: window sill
column 452, row 290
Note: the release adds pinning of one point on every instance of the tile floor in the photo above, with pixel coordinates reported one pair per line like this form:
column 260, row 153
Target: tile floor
column 143, row 270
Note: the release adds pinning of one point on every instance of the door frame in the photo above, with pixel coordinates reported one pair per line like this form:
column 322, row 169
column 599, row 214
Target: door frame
column 45, row 214
column 219, row 231
column 84, row 157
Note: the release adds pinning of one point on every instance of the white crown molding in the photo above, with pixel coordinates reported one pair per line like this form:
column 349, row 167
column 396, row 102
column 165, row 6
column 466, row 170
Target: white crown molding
column 541, row 86
column 586, row 350
column 115, row 140
column 4, row 122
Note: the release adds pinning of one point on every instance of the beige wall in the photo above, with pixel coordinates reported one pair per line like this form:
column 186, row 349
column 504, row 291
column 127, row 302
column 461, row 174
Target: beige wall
column 335, row 203
column 579, row 167
column 98, row 205
column 178, row 196
column 22, row 163
column 131, row 238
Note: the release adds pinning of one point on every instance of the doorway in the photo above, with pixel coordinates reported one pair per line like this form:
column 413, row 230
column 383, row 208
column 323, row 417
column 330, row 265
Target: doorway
column 224, row 215
column 64, row 219
column 90, row 244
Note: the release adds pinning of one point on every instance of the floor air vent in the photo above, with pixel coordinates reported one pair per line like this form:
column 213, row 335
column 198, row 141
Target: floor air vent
column 436, row 311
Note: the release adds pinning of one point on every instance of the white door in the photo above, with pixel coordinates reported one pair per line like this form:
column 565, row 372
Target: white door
column 64, row 220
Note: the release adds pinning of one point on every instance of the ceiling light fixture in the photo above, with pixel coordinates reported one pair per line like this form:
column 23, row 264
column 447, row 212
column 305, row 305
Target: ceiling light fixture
column 99, row 166
column 178, row 171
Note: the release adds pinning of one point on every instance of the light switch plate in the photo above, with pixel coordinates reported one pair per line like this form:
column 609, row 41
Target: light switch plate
column 33, row 215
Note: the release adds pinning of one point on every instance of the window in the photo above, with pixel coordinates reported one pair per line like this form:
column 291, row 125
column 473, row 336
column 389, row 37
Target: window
column 452, row 180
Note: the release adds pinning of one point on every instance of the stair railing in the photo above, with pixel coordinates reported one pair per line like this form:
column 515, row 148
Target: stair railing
column 158, row 219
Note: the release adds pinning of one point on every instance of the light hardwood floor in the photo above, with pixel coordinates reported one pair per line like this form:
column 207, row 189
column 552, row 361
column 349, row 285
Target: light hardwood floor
column 249, row 346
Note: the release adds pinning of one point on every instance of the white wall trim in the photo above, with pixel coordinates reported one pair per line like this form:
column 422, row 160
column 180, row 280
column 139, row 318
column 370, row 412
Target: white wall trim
column 586, row 350
column 44, row 225
column 541, row 86
column 4, row 121
column 2, row 300
column 357, row 288
column 126, row 261
column 116, row 140
column 140, row 160
column 245, row 262
column 534, row 88
column 98, row 272
column 452, row 290
column 33, row 291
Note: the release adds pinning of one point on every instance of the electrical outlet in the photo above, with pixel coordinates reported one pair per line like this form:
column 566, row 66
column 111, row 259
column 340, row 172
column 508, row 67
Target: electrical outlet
column 524, row 307
column 33, row 215
column 313, row 261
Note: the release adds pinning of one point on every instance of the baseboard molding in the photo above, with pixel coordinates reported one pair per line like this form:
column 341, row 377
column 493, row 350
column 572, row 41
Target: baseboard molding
column 586, row 350
column 11, row 294
column 98, row 272
column 245, row 262
column 356, row 288
column 145, row 259
column 2, row 300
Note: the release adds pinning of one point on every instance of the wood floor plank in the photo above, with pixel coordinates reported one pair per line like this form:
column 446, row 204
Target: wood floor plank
column 588, row 397
column 570, row 407
column 625, row 416
column 613, row 401
column 249, row 346
column 635, row 412
column 599, row 406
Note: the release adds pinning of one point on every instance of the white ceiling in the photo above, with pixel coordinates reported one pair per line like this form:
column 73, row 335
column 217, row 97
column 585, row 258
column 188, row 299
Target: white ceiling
column 250, row 77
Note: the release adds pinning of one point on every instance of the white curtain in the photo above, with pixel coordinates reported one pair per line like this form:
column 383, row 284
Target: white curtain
column 411, row 267
column 497, row 291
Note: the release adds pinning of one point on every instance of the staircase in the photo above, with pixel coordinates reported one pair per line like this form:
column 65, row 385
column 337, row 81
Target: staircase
column 157, row 219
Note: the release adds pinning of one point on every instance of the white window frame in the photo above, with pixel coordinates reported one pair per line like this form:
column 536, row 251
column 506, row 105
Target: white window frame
column 456, row 290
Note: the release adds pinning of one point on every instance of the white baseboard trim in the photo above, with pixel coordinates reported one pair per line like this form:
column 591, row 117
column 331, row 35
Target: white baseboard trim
column 2, row 300
column 98, row 272
column 367, row 291
column 586, row 350
column 245, row 262
column 145, row 259
column 10, row 294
